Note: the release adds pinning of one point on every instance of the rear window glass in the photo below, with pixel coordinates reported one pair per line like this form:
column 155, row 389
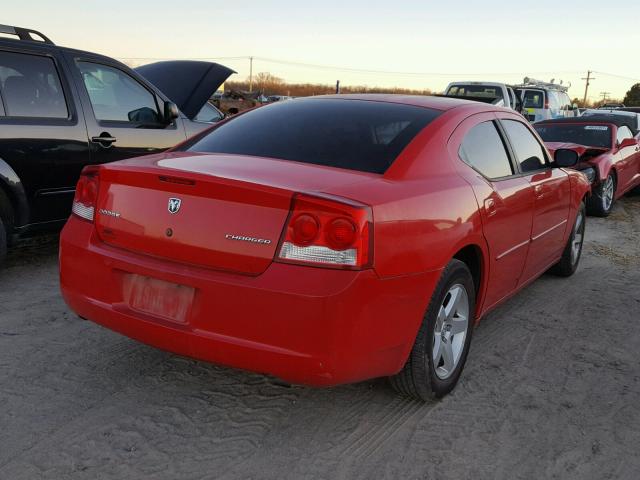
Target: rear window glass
column 31, row 87
column 482, row 91
column 588, row 135
column 533, row 99
column 354, row 134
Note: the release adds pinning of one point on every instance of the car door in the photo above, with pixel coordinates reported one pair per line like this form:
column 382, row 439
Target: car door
column 43, row 136
column 505, row 200
column 123, row 113
column 627, row 160
column 552, row 194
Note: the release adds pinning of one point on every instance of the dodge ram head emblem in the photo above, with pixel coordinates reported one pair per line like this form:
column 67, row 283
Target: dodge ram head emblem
column 174, row 205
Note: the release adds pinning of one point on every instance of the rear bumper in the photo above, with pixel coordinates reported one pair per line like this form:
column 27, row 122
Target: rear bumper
column 305, row 325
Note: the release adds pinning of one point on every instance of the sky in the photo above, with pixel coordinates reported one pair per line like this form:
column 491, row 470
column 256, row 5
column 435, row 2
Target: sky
column 411, row 44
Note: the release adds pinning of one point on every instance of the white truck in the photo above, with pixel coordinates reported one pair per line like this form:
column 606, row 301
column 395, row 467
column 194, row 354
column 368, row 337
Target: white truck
column 498, row 94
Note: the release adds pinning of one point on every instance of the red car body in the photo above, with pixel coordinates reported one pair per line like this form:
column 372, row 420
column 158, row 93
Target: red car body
column 183, row 283
column 620, row 158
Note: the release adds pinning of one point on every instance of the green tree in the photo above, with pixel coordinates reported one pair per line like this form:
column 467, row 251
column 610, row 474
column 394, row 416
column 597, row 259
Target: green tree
column 632, row 98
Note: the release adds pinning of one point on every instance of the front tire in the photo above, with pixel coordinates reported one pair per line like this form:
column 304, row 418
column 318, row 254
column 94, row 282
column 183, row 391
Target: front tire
column 568, row 264
column 442, row 344
column 600, row 203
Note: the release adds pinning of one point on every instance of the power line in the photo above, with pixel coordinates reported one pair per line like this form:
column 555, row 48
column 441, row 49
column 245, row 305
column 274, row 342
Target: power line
column 619, row 76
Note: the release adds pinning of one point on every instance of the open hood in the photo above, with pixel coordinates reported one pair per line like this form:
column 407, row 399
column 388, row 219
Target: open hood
column 581, row 150
column 187, row 83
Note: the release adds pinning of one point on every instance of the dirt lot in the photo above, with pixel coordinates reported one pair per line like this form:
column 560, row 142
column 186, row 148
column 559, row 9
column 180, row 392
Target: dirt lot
column 551, row 390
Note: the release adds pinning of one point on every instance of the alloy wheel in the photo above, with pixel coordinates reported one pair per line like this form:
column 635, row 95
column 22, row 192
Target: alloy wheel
column 450, row 332
column 578, row 237
column 607, row 193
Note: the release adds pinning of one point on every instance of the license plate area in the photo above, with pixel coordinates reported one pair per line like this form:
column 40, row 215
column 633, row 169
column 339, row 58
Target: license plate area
column 166, row 300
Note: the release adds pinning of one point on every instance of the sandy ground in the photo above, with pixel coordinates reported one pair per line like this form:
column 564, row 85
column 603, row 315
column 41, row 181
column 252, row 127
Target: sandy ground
column 551, row 390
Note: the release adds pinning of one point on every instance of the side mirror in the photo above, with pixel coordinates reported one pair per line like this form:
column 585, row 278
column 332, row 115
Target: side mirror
column 565, row 158
column 171, row 112
column 628, row 142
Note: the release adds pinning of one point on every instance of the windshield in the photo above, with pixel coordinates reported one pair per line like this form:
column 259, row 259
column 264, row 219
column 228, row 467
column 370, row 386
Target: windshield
column 354, row 134
column 484, row 91
column 588, row 135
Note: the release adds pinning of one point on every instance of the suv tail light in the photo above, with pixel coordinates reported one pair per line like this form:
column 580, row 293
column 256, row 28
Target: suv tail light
column 327, row 232
column 84, row 201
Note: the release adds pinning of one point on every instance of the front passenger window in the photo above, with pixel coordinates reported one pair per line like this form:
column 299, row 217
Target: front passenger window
column 483, row 149
column 115, row 96
column 528, row 150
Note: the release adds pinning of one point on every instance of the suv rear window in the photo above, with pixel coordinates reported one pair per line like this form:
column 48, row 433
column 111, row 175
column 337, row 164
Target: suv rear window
column 354, row 134
column 30, row 86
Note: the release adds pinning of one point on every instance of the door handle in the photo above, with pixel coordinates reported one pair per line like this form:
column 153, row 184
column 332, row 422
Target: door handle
column 105, row 140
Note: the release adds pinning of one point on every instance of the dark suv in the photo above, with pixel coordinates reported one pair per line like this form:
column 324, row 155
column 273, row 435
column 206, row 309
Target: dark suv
column 62, row 109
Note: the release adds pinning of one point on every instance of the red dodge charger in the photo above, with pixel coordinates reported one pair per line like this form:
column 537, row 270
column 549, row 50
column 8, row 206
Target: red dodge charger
column 326, row 240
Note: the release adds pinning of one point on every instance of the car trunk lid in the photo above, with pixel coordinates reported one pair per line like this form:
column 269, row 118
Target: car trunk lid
column 218, row 211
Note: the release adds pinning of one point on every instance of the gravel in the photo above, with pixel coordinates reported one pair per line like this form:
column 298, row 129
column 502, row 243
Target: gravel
column 551, row 390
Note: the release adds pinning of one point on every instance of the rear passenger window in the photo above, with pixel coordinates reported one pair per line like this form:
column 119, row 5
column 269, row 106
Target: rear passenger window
column 483, row 149
column 30, row 86
column 533, row 99
column 529, row 152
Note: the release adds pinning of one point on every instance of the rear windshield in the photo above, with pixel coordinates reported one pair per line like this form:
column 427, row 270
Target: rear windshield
column 532, row 98
column 482, row 91
column 582, row 134
column 353, row 134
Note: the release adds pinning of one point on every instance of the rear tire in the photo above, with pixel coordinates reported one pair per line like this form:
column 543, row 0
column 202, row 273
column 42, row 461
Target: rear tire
column 600, row 203
column 446, row 330
column 6, row 219
column 568, row 264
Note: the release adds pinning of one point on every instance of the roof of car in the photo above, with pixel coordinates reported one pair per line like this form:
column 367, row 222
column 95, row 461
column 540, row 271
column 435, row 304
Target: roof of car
column 427, row 101
column 618, row 120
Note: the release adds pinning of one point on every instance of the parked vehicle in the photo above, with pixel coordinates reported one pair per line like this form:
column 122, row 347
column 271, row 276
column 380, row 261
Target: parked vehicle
column 62, row 109
column 611, row 106
column 609, row 154
column 544, row 100
column 498, row 94
column 233, row 102
column 278, row 98
column 364, row 239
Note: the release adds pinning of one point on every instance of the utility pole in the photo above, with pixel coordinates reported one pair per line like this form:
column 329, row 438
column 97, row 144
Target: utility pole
column 337, row 86
column 250, row 74
column 588, row 78
column 605, row 95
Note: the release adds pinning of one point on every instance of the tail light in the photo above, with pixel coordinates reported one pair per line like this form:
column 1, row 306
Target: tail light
column 84, row 201
column 546, row 101
column 328, row 232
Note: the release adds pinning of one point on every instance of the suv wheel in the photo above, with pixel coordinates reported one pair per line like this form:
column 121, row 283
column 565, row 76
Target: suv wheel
column 601, row 201
column 3, row 242
column 442, row 344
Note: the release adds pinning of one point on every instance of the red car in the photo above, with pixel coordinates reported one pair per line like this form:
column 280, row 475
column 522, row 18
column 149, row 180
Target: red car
column 609, row 154
column 326, row 240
